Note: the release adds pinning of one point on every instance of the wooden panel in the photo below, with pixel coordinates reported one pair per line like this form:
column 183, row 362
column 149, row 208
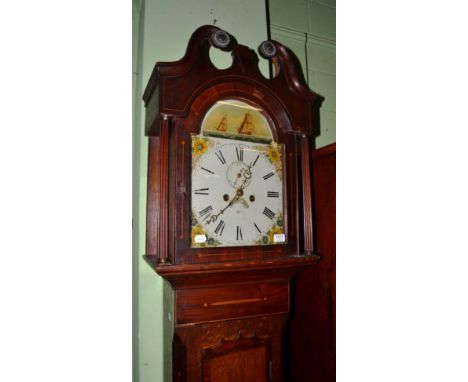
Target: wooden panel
column 238, row 366
column 152, row 212
column 221, row 303
column 312, row 355
column 206, row 341
column 179, row 356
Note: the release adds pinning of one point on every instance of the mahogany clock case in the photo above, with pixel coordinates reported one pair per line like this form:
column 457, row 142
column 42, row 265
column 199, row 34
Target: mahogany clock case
column 231, row 304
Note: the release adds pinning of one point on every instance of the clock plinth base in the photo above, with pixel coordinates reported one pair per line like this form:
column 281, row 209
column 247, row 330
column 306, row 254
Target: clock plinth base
column 230, row 317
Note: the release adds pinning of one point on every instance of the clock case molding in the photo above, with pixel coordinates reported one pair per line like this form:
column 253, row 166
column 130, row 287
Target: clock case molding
column 216, row 285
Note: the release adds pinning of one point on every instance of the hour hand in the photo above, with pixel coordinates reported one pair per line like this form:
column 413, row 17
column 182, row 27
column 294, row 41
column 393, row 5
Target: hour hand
column 231, row 202
column 213, row 218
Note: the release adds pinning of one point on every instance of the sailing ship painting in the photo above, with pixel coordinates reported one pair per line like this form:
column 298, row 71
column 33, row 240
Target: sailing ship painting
column 222, row 126
column 247, row 127
column 236, row 119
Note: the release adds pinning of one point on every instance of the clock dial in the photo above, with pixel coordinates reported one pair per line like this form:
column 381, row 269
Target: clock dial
column 237, row 193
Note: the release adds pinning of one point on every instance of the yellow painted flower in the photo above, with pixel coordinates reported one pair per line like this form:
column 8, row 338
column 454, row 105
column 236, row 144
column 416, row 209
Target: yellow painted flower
column 199, row 146
column 197, row 230
column 274, row 154
column 274, row 231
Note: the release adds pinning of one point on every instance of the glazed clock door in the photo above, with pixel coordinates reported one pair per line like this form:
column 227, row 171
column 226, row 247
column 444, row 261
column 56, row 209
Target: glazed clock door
column 237, row 193
column 238, row 190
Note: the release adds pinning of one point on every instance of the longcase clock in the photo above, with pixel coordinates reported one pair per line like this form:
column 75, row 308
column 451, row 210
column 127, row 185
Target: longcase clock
column 229, row 205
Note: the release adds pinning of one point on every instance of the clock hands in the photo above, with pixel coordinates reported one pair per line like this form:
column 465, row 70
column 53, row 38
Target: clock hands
column 240, row 191
column 244, row 172
column 232, row 201
column 237, row 197
column 247, row 175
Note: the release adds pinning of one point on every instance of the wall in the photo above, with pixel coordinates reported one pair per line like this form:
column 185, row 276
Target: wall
column 136, row 180
column 301, row 24
column 161, row 31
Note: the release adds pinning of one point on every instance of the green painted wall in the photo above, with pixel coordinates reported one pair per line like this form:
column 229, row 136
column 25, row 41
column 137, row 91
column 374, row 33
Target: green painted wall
column 311, row 24
column 136, row 165
column 161, row 30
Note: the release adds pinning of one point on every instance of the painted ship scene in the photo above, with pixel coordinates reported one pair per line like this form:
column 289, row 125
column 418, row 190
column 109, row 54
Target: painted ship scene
column 236, row 119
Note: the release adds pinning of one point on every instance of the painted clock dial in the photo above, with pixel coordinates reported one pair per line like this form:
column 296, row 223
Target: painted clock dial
column 237, row 195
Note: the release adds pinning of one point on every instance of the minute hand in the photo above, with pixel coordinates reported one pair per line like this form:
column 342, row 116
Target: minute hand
column 247, row 175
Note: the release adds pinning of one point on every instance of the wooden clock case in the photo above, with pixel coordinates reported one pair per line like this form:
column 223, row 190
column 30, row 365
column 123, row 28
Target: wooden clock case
column 231, row 304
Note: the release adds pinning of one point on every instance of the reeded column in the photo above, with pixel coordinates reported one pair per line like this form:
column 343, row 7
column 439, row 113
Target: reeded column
column 307, row 196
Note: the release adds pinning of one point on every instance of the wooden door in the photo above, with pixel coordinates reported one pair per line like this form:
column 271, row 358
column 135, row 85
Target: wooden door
column 247, row 359
column 241, row 350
